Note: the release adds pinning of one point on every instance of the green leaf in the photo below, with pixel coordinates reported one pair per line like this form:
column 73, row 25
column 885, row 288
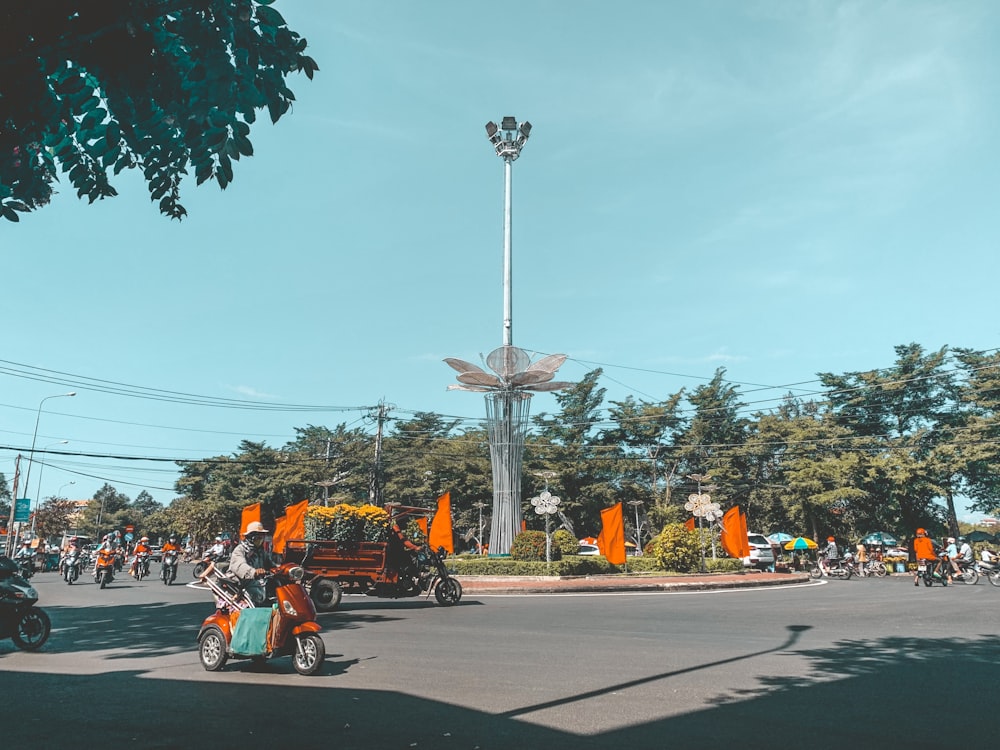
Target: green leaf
column 269, row 17
column 9, row 213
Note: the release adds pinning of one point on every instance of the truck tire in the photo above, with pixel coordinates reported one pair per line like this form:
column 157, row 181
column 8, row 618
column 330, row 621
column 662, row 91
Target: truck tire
column 326, row 594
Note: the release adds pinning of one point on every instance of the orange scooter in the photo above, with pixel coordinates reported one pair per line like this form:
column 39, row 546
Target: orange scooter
column 104, row 571
column 241, row 629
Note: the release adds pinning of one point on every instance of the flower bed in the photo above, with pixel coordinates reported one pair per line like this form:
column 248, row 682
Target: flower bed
column 347, row 523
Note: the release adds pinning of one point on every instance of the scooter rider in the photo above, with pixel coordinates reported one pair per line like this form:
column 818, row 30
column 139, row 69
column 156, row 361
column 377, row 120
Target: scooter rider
column 141, row 548
column 26, row 555
column 830, row 556
column 218, row 550
column 250, row 561
column 923, row 550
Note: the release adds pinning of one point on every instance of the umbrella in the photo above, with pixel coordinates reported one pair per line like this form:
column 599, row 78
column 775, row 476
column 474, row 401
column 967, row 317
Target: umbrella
column 980, row 536
column 880, row 537
column 779, row 537
column 801, row 542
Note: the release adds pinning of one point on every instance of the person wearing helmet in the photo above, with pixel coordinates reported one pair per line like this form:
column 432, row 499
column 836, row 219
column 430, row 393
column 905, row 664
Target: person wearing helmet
column 923, row 550
column 829, row 556
column 950, row 553
column 250, row 561
column 142, row 551
column 218, row 550
column 172, row 545
column 964, row 557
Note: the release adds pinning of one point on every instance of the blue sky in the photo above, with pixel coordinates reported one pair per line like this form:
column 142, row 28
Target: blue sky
column 777, row 188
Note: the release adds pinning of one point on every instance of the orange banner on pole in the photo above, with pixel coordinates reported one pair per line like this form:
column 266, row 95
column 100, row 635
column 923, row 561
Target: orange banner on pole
column 250, row 513
column 734, row 533
column 422, row 525
column 292, row 525
column 689, row 524
column 441, row 533
column 611, row 540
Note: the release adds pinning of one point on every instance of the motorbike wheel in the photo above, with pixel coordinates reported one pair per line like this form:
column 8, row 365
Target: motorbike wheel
column 326, row 594
column 32, row 630
column 815, row 572
column 848, row 572
column 448, row 591
column 212, row 650
column 994, row 577
column 309, row 654
column 103, row 576
column 199, row 569
column 970, row 577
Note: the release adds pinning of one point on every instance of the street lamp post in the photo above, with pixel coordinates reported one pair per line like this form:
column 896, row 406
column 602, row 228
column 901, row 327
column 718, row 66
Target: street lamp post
column 31, row 457
column 59, row 491
column 38, row 487
column 638, row 536
column 481, row 505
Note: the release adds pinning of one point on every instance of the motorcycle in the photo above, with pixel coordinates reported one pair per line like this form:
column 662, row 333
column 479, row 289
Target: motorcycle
column 141, row 566
column 25, row 567
column 168, row 567
column 104, row 571
column 434, row 576
column 930, row 571
column 988, row 570
column 968, row 572
column 840, row 568
column 20, row 620
column 221, row 562
column 71, row 566
column 240, row 629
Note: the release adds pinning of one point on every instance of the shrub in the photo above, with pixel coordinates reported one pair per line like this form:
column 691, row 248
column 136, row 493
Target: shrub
column 566, row 542
column 677, row 549
column 530, row 545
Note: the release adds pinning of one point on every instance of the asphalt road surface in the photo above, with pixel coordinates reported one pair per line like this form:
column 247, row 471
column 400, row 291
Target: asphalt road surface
column 843, row 664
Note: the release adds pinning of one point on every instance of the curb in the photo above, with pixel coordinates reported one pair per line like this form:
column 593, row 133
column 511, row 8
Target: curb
column 607, row 584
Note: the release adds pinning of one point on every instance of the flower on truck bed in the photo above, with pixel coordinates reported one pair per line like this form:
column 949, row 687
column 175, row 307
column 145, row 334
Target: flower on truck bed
column 347, row 523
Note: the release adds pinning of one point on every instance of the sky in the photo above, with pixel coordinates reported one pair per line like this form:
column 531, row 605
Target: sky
column 777, row 188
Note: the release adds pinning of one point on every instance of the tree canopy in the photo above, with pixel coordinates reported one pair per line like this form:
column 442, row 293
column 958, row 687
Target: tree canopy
column 154, row 85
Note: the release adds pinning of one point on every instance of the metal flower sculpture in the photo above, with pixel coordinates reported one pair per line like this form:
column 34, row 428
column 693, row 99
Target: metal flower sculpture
column 508, row 392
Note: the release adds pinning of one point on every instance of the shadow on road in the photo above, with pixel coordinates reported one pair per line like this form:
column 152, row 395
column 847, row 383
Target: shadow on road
column 901, row 691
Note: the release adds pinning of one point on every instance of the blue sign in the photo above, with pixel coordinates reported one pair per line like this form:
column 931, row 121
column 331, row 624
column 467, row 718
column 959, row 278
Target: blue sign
column 22, row 510
column 129, row 537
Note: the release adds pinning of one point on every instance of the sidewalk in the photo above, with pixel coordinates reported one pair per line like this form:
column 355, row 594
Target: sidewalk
column 623, row 583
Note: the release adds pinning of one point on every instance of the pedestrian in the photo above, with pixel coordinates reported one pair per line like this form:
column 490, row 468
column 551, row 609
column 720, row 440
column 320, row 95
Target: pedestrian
column 862, row 557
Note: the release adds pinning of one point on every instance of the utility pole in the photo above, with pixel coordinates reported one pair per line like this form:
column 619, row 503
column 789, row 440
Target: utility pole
column 375, row 480
column 9, row 547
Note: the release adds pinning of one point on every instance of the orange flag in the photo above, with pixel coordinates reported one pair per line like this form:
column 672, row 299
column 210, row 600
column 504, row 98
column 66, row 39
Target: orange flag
column 744, row 535
column 611, row 540
column 250, row 513
column 689, row 524
column 441, row 534
column 422, row 525
column 292, row 525
column 734, row 533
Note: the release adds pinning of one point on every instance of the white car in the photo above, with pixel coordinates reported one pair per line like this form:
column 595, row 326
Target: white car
column 761, row 555
column 588, row 549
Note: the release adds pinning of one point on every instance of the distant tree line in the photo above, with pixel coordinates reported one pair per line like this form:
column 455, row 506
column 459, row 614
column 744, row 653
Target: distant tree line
column 879, row 450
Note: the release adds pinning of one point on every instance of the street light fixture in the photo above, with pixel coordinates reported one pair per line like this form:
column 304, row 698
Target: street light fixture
column 59, row 491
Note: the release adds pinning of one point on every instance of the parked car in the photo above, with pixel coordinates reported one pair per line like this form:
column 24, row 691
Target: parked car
column 588, row 549
column 761, row 555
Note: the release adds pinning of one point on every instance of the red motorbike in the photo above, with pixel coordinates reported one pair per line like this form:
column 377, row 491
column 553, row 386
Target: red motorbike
column 240, row 629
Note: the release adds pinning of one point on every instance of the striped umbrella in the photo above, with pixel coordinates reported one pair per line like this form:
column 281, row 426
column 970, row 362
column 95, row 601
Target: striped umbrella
column 801, row 542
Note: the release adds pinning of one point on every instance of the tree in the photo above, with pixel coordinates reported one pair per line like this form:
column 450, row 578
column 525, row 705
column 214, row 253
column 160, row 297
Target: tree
column 154, row 85
column 567, row 444
column 53, row 517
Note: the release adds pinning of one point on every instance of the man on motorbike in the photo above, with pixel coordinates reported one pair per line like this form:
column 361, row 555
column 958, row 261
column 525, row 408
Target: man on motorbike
column 830, row 556
column 172, row 545
column 923, row 550
column 217, row 550
column 250, row 561
column 142, row 548
column 25, row 555
column 965, row 554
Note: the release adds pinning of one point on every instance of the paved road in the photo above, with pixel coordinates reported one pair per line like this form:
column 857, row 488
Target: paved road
column 845, row 664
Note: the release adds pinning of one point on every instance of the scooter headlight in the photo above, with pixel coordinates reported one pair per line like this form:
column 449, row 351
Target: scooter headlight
column 289, row 609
